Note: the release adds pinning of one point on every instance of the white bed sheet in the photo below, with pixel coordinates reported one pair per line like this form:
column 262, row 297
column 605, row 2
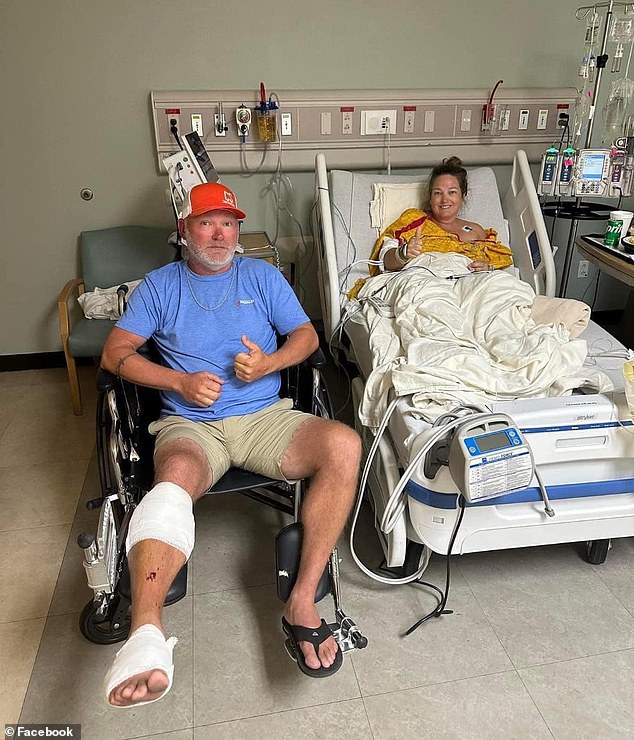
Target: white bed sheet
column 404, row 427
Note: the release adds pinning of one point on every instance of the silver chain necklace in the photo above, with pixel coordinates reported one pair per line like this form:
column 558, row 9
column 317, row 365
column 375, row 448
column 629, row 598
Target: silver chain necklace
column 224, row 297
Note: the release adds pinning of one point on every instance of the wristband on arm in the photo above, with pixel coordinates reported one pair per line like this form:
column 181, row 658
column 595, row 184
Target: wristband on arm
column 401, row 253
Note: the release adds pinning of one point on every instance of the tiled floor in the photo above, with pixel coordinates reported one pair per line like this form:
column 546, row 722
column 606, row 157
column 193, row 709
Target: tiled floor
column 540, row 644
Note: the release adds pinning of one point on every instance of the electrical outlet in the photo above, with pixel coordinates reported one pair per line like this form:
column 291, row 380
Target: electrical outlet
column 409, row 120
column 562, row 119
column 346, row 122
column 583, row 269
column 523, row 120
column 173, row 122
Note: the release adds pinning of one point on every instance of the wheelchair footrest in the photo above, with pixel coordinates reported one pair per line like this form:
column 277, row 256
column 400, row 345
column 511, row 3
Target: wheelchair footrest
column 288, row 548
column 347, row 634
column 176, row 592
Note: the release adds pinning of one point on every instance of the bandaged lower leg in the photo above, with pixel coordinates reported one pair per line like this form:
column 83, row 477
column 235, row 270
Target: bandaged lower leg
column 166, row 514
column 146, row 650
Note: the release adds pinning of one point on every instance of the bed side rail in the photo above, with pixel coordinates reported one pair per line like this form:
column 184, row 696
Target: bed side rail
column 532, row 252
column 327, row 273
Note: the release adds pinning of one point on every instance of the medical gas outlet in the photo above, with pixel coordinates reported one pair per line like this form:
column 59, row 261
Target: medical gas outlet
column 220, row 122
column 243, row 121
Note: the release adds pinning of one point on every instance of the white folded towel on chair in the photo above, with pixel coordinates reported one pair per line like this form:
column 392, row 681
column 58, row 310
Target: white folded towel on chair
column 103, row 303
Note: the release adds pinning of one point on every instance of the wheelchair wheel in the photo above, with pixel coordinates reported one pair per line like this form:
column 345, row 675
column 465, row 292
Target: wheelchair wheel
column 115, row 627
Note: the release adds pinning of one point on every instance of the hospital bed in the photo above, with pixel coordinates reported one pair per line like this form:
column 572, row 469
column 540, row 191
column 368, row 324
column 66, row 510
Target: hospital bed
column 582, row 444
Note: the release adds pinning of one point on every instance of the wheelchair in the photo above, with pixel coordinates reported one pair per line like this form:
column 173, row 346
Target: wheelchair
column 125, row 452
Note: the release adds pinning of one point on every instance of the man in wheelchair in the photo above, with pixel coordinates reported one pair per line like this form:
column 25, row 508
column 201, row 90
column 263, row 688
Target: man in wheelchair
column 214, row 319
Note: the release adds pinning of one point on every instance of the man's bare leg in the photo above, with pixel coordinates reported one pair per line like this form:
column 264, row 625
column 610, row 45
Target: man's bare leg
column 154, row 564
column 329, row 453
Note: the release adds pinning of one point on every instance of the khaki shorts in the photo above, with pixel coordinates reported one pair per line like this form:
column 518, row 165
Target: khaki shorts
column 255, row 442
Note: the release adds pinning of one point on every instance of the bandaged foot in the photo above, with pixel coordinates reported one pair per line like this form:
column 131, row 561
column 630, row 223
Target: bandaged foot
column 142, row 671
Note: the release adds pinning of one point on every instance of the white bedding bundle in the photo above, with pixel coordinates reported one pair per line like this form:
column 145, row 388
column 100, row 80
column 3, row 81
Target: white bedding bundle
column 465, row 340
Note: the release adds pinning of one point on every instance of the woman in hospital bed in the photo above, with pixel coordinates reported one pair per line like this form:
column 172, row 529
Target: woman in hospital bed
column 462, row 342
column 437, row 228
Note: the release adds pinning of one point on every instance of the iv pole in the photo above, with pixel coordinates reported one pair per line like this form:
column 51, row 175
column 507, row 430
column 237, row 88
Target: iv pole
column 602, row 60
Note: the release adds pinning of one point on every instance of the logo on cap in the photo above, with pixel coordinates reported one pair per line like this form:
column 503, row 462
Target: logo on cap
column 229, row 199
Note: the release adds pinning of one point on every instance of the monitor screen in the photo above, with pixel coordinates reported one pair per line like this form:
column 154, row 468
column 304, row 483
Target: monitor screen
column 493, row 441
column 592, row 166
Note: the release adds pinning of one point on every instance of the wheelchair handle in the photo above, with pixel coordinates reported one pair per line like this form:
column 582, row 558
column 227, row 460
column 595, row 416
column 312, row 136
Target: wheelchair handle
column 122, row 291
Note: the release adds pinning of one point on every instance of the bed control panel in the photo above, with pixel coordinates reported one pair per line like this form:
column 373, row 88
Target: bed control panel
column 489, row 457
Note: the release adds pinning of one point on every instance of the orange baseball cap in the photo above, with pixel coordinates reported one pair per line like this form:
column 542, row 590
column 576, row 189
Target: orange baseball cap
column 211, row 196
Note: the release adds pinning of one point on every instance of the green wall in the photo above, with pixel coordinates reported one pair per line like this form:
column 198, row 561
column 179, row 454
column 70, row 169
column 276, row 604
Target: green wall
column 75, row 78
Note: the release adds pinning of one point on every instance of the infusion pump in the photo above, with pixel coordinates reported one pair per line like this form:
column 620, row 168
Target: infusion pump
column 490, row 457
column 601, row 173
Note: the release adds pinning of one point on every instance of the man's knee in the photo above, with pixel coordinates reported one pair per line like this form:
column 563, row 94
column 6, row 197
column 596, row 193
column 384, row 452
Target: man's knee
column 322, row 446
column 340, row 446
column 165, row 513
column 183, row 461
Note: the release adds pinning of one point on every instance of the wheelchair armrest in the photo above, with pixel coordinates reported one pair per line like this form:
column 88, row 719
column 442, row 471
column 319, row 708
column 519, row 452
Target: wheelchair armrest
column 105, row 380
column 317, row 360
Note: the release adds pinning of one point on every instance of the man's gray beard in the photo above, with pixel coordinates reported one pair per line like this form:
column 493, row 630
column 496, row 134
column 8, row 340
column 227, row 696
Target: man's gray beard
column 203, row 258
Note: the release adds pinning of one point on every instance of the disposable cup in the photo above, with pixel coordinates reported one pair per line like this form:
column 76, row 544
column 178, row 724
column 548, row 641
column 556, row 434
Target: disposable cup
column 626, row 219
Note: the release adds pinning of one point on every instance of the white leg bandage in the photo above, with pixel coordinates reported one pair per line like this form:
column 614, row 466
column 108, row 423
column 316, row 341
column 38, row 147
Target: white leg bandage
column 165, row 513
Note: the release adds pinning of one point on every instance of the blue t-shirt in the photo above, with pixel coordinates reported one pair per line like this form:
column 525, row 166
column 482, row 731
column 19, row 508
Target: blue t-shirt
column 197, row 323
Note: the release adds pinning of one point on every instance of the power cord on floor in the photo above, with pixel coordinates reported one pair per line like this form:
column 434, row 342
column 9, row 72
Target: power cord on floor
column 440, row 609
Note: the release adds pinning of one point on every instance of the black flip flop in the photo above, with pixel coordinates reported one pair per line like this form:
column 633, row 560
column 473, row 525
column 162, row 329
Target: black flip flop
column 316, row 635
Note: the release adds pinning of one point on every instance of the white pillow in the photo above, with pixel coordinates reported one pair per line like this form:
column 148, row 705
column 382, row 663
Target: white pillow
column 389, row 200
column 481, row 205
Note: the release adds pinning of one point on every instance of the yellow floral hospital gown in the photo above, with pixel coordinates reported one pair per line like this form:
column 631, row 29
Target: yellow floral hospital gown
column 436, row 239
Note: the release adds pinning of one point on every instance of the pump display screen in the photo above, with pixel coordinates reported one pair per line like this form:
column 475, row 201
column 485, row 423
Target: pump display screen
column 592, row 166
column 494, row 441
